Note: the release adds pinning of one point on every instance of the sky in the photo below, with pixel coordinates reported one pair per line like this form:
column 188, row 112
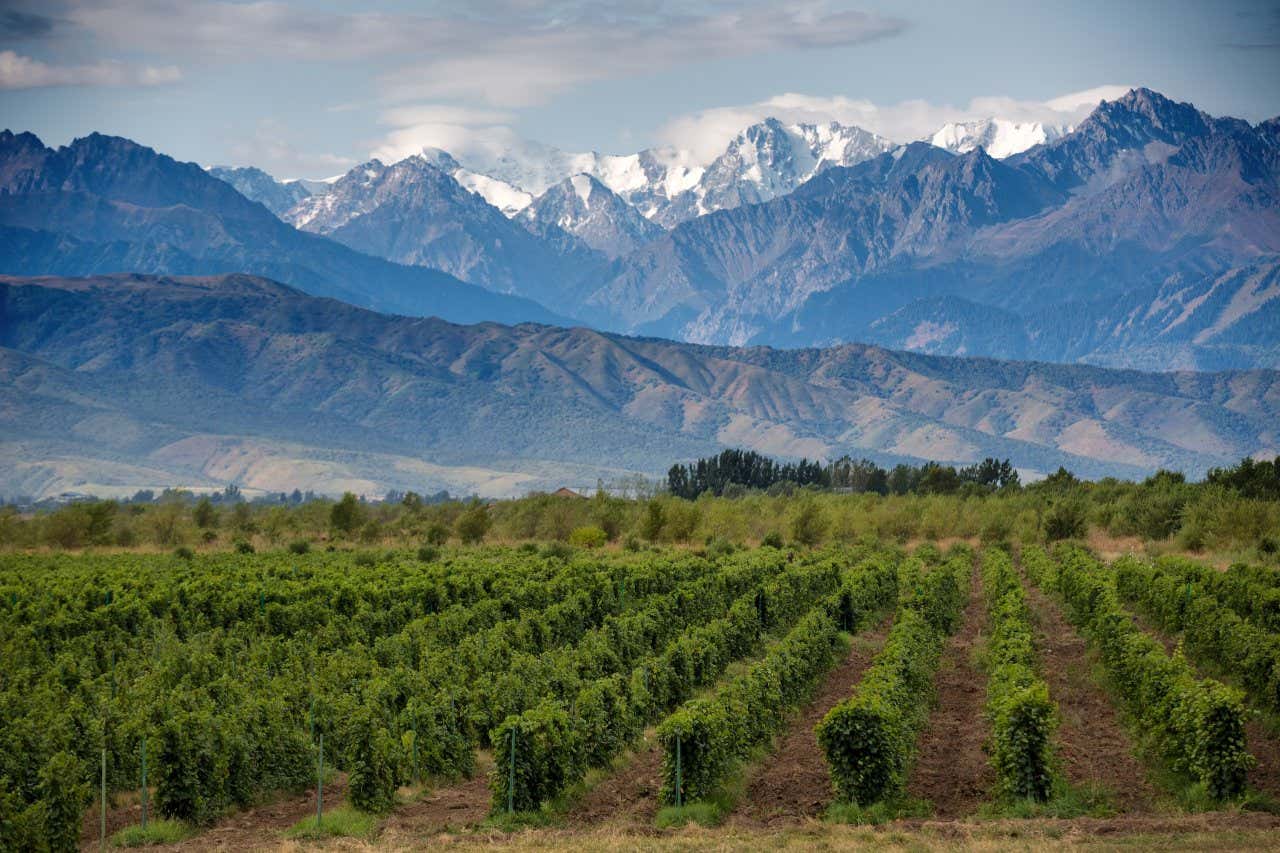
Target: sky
column 308, row 89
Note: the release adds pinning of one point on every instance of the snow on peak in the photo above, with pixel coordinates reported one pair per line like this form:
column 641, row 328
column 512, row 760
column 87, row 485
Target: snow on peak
column 582, row 187
column 999, row 137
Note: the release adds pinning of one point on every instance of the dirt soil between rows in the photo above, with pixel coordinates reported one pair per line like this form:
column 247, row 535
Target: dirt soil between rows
column 255, row 828
column 627, row 797
column 952, row 771
column 1092, row 742
column 1262, row 742
column 793, row 785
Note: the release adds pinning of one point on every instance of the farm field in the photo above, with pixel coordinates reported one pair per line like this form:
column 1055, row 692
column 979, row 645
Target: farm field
column 543, row 697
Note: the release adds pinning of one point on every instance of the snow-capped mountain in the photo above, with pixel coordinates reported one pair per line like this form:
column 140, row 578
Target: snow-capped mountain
column 257, row 185
column 505, row 196
column 1000, row 137
column 770, row 159
column 416, row 212
column 584, row 207
column 668, row 185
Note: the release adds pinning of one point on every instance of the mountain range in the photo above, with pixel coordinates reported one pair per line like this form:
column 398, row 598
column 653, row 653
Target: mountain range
column 107, row 204
column 114, row 383
column 1143, row 236
column 822, row 290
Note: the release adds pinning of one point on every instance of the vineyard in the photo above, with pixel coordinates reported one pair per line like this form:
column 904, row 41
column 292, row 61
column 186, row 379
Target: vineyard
column 482, row 690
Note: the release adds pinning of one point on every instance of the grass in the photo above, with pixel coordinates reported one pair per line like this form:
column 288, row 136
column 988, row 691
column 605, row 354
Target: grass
column 1065, row 801
column 155, row 832
column 342, row 822
column 712, row 810
column 874, row 814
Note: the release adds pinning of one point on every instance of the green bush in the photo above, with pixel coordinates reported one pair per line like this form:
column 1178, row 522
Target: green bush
column 299, row 547
column 372, row 779
column 707, row 736
column 548, row 754
column 64, row 792
column 1182, row 596
column 1021, row 714
column 1197, row 725
column 869, row 739
column 588, row 537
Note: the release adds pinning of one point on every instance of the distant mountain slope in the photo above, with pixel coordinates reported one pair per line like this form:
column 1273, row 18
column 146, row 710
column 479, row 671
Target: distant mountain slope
column 106, row 204
column 587, row 209
column 1145, row 194
column 415, row 212
column 141, row 380
column 257, row 185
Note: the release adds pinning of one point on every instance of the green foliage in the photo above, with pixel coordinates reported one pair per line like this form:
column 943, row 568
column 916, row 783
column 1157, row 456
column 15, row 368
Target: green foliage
column 64, row 791
column 1021, row 714
column 154, row 833
column 703, row 739
column 373, row 759
column 1226, row 618
column 548, row 753
column 473, row 524
column 299, row 546
column 347, row 515
column 1066, row 518
column 809, row 524
column 710, row 734
column 869, row 739
column 1197, row 725
column 588, row 537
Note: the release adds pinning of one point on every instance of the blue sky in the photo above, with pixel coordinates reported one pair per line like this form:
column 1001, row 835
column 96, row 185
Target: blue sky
column 308, row 89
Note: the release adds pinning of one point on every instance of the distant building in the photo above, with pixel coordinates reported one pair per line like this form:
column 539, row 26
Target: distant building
column 566, row 492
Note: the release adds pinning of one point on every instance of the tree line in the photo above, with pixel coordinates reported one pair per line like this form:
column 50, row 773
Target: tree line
column 732, row 472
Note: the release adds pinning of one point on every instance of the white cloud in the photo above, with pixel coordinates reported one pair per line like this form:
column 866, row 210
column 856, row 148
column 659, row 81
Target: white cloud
column 269, row 148
column 705, row 133
column 23, row 72
column 527, row 65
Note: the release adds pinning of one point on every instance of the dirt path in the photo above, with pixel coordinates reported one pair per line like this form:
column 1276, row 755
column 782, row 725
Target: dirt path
column 793, row 784
column 448, row 808
column 255, row 828
column 628, row 797
column 1092, row 743
column 951, row 770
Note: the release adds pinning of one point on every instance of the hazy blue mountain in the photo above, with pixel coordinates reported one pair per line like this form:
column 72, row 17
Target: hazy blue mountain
column 130, row 381
column 415, row 212
column 582, row 206
column 256, row 185
column 1146, row 196
column 106, row 204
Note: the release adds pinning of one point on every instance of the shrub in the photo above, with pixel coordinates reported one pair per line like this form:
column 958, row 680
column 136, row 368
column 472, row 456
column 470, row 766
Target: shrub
column 243, row 546
column 548, row 753
column 183, row 553
column 588, row 537
column 299, row 547
column 371, row 784
column 868, row 740
column 773, row 539
column 1197, row 725
column 1019, row 709
column 437, row 534
column 1066, row 519
column 64, row 792
column 428, row 553
column 810, row 523
column 473, row 524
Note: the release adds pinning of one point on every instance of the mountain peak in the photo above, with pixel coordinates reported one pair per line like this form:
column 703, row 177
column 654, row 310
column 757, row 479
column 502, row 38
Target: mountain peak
column 1000, row 137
